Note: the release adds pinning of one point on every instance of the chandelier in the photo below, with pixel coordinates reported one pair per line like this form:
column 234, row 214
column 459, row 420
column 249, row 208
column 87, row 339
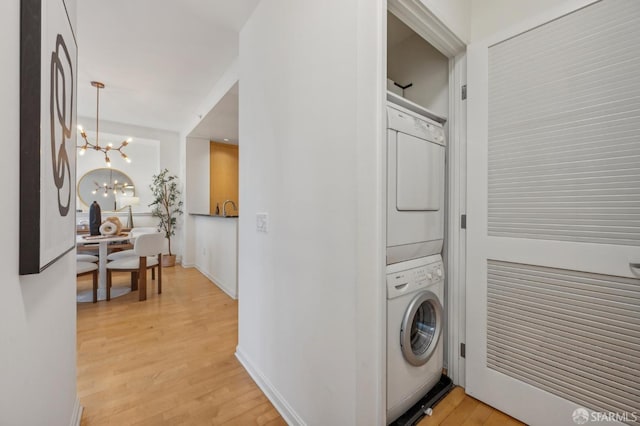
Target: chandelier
column 114, row 187
column 107, row 148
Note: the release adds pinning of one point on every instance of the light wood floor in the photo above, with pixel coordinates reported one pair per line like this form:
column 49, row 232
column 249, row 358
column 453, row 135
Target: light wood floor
column 166, row 361
column 170, row 361
column 458, row 409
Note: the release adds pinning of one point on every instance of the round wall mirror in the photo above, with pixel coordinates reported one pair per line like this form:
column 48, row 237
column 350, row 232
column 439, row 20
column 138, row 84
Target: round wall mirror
column 107, row 186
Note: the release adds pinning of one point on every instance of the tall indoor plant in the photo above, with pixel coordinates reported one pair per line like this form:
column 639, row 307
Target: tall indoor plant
column 167, row 206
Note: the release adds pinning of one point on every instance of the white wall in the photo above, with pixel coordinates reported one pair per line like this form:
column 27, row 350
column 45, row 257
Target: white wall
column 455, row 14
column 193, row 169
column 310, row 289
column 491, row 16
column 195, row 174
column 37, row 313
column 217, row 251
column 413, row 60
column 197, row 177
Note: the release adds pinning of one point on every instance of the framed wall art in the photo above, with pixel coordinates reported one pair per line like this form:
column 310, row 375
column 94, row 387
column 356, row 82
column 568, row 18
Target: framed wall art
column 48, row 95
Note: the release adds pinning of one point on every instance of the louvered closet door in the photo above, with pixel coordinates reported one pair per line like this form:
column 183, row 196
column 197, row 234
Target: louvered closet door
column 553, row 305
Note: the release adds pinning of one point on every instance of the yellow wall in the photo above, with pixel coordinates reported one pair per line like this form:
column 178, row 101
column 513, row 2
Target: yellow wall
column 223, row 163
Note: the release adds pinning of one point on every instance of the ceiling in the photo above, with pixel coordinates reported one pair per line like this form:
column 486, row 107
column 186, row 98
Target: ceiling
column 221, row 123
column 158, row 58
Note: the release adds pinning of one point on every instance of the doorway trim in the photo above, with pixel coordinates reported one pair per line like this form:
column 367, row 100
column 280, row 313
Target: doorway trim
column 423, row 21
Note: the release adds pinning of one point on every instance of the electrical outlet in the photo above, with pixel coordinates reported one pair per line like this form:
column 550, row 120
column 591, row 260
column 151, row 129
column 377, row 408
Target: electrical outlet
column 262, row 222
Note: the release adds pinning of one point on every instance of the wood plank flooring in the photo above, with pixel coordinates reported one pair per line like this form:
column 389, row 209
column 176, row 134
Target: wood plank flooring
column 459, row 409
column 166, row 361
column 170, row 361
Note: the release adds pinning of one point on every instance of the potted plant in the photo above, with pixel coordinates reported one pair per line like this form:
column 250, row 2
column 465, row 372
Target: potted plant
column 167, row 206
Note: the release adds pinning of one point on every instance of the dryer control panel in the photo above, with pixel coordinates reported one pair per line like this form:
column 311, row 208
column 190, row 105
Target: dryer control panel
column 411, row 124
column 413, row 275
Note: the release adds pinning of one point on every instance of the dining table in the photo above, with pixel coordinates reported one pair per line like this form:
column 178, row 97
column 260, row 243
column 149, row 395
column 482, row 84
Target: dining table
column 103, row 248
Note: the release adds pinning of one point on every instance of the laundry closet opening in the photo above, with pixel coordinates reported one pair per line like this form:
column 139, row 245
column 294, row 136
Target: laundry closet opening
column 417, row 146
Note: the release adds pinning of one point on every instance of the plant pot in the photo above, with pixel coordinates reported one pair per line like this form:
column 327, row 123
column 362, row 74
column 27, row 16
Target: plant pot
column 168, row 260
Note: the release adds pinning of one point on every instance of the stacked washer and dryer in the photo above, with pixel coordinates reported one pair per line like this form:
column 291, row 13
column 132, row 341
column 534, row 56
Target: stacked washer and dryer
column 415, row 237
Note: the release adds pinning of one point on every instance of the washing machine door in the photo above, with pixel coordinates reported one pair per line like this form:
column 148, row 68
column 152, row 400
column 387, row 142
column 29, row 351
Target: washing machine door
column 421, row 328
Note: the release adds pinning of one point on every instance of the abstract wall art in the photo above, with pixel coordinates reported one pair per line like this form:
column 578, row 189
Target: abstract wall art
column 48, row 95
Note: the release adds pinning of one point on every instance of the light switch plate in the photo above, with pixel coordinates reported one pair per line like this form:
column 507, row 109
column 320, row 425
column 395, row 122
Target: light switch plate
column 262, row 222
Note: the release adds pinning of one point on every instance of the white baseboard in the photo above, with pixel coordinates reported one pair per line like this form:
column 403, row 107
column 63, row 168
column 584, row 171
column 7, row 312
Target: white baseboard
column 188, row 265
column 286, row 411
column 76, row 416
column 218, row 283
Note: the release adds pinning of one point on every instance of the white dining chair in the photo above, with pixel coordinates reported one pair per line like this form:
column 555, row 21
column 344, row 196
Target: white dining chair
column 134, row 233
column 85, row 268
column 148, row 250
column 87, row 258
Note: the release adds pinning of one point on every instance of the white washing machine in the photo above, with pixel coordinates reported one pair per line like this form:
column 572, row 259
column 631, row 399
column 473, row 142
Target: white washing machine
column 415, row 291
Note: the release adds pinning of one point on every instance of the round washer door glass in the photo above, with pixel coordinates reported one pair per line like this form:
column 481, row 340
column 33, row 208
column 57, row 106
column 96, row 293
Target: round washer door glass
column 421, row 328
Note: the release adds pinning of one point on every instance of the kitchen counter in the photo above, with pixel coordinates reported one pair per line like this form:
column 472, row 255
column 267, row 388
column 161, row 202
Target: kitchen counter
column 216, row 250
column 214, row 215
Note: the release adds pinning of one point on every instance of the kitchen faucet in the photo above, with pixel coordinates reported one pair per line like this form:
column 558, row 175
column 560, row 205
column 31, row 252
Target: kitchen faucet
column 224, row 207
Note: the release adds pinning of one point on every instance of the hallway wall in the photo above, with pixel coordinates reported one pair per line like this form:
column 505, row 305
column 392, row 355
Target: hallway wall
column 310, row 288
column 37, row 312
column 491, row 16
